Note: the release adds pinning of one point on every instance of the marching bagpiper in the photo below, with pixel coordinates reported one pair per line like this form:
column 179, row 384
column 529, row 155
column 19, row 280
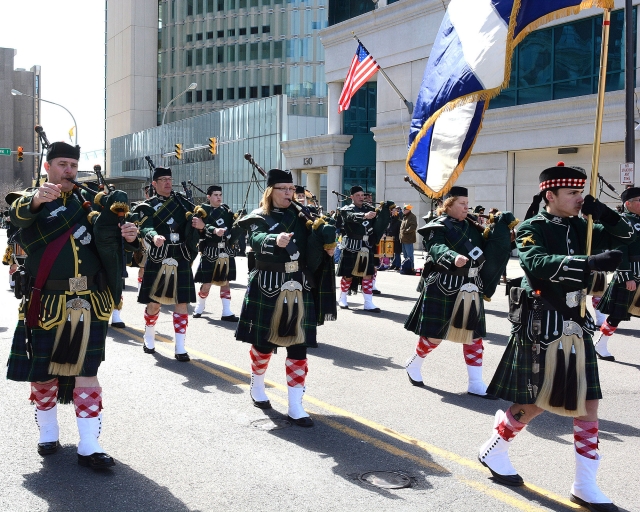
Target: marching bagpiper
column 166, row 225
column 621, row 301
column 550, row 362
column 217, row 263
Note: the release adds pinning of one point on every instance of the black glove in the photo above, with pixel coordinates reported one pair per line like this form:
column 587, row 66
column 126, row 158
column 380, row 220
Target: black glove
column 605, row 262
column 599, row 211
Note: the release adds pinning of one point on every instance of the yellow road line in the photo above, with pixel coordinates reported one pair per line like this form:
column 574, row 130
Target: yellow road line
column 429, row 448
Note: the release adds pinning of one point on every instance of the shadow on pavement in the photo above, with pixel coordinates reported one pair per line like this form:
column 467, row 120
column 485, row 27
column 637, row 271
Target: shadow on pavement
column 344, row 358
column 66, row 486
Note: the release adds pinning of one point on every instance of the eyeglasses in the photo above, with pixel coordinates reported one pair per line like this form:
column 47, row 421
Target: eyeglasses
column 633, row 200
column 286, row 189
column 163, row 180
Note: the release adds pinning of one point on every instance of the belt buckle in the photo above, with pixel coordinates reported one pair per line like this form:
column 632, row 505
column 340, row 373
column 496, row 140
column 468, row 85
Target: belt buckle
column 291, row 266
column 77, row 284
column 473, row 272
column 221, row 245
column 174, row 237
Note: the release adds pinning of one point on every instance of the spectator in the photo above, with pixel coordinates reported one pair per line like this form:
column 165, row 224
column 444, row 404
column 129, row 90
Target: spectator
column 394, row 231
column 408, row 229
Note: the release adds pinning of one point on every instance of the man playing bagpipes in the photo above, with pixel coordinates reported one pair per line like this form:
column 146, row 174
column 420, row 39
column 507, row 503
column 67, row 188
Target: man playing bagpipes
column 71, row 276
column 217, row 263
column 451, row 304
column 166, row 224
column 362, row 227
column 550, row 362
column 279, row 309
column 622, row 298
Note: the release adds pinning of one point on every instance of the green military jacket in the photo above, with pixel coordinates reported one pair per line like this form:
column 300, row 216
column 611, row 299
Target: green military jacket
column 221, row 217
column 629, row 268
column 444, row 246
column 360, row 232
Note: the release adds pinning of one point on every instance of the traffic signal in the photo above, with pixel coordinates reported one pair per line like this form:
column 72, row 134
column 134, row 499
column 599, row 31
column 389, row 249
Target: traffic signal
column 213, row 145
column 179, row 151
column 20, row 153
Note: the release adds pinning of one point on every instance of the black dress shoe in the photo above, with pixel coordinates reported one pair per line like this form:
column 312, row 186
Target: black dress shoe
column 486, row 396
column 376, row 292
column 374, row 310
column 301, row 422
column 265, row 404
column 148, row 350
column 183, row 358
column 48, row 448
column 119, row 325
column 417, row 383
column 343, row 307
column 594, row 507
column 510, row 480
column 230, row 318
column 96, row 461
column 197, row 315
column 605, row 358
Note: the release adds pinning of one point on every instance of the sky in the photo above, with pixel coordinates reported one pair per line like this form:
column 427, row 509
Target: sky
column 66, row 39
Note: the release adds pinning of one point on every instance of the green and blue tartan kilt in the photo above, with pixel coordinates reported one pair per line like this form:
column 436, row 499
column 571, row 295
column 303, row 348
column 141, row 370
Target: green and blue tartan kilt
column 257, row 311
column 514, row 372
column 616, row 300
column 347, row 262
column 186, row 286
column 21, row 368
column 433, row 311
column 204, row 274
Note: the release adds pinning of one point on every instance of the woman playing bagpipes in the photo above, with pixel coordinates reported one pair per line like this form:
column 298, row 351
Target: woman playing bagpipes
column 278, row 308
column 72, row 274
column 450, row 305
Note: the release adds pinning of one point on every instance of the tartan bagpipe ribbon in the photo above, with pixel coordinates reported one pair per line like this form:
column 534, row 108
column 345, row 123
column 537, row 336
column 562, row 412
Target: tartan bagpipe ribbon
column 469, row 64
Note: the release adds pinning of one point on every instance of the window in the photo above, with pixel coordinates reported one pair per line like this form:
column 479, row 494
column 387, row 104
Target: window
column 242, row 52
column 189, row 38
column 220, row 33
column 188, row 98
column 342, row 10
column 219, row 94
column 253, row 3
column 232, row 4
column 254, row 30
column 242, row 31
column 253, row 51
column 265, row 91
column 242, row 4
column 277, row 50
column 189, row 58
column 266, row 29
column 199, row 96
column 232, row 54
column 277, row 89
column 253, row 92
column 199, row 57
column 563, row 62
column 209, row 94
column 199, row 37
column 266, row 47
column 189, row 7
column 220, row 5
column 242, row 93
column 230, row 95
column 220, row 54
column 209, row 5
column 209, row 55
column 199, row 6
column 210, row 35
column 231, row 32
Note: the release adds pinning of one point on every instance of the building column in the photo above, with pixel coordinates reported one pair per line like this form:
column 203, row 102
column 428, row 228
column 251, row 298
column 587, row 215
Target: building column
column 334, row 182
column 296, row 174
column 381, row 178
column 335, row 119
column 313, row 183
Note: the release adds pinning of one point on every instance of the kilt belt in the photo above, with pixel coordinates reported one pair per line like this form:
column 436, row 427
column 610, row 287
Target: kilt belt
column 288, row 267
column 460, row 271
column 73, row 284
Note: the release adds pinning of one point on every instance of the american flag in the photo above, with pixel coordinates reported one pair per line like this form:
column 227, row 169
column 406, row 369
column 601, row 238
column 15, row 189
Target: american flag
column 363, row 66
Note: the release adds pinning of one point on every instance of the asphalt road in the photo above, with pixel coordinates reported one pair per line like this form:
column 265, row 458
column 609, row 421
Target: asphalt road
column 186, row 436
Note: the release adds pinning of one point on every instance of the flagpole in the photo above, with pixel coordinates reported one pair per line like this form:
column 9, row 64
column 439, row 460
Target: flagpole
column 595, row 158
column 407, row 103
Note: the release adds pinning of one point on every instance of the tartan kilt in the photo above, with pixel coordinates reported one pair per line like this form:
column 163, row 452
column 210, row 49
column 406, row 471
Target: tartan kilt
column 258, row 309
column 21, row 368
column 433, row 311
column 514, row 371
column 348, row 260
column 186, row 287
column 616, row 300
column 204, row 274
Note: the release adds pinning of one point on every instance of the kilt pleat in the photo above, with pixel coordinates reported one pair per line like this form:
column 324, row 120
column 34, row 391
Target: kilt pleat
column 348, row 260
column 204, row 274
column 616, row 301
column 257, row 311
column 186, row 286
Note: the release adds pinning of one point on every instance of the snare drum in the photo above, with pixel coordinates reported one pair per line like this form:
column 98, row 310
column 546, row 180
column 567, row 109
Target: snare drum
column 385, row 247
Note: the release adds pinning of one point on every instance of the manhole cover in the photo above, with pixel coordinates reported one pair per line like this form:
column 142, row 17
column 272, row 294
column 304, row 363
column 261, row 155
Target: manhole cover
column 269, row 424
column 386, row 479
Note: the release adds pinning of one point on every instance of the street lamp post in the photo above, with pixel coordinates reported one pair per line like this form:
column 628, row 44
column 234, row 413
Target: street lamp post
column 75, row 125
column 191, row 87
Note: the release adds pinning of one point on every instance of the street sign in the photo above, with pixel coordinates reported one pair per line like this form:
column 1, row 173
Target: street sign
column 627, row 174
column 5, row 151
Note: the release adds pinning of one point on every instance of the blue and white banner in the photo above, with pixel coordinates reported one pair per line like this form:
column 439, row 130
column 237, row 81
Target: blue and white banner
column 470, row 63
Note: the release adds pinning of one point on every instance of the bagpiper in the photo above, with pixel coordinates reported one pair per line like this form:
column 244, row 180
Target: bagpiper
column 67, row 287
column 279, row 308
column 217, row 263
column 166, row 225
column 550, row 362
column 621, row 301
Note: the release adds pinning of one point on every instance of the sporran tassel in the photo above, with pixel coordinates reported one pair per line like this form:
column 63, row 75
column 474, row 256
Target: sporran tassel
column 171, row 285
column 571, row 400
column 72, row 339
column 559, row 380
column 472, row 319
column 76, row 342
column 286, row 323
column 458, row 316
column 61, row 350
